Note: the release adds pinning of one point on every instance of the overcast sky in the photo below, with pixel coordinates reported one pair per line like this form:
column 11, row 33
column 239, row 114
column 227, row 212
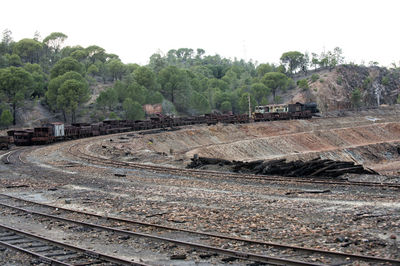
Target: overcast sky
column 248, row 29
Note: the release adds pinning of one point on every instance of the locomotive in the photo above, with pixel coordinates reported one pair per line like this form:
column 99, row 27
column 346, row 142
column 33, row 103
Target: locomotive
column 51, row 132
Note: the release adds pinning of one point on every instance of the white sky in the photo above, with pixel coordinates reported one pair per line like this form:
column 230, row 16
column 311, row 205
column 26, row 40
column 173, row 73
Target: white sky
column 248, row 29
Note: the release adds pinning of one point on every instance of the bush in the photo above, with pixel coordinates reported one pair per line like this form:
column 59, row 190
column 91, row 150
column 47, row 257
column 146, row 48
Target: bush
column 314, row 77
column 385, row 81
column 303, row 84
column 226, row 106
column 339, row 80
column 6, row 118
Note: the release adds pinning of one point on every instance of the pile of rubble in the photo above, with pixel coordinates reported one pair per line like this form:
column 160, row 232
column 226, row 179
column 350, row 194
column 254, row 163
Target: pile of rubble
column 316, row 167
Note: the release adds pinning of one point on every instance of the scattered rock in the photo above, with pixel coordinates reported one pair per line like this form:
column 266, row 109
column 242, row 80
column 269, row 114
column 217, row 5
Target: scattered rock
column 178, row 257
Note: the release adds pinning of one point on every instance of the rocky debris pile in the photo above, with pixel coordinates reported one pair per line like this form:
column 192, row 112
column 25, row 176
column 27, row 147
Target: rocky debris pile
column 316, row 167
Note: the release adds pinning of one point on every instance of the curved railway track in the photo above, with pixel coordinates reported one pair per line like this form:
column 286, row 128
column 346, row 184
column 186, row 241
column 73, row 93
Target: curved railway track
column 54, row 252
column 76, row 151
column 209, row 242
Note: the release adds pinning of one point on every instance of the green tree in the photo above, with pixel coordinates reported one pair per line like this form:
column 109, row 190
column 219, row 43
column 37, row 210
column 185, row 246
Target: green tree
column 71, row 95
column 116, row 69
column 292, row 60
column 199, row 104
column 55, row 40
column 275, row 81
column 28, row 50
column 154, row 97
column 67, row 97
column 93, row 70
column 260, row 92
column 65, row 65
column 174, row 83
column 263, row 69
column 7, row 43
column 6, row 118
column 14, row 60
column 226, row 106
column 136, row 92
column 144, row 76
column 96, row 53
column 133, row 110
column 15, row 84
column 244, row 103
column 107, row 98
column 356, row 98
column 303, row 84
column 39, row 79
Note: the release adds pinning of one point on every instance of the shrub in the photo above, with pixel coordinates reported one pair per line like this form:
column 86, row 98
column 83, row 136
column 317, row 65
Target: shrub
column 339, row 80
column 385, row 81
column 303, row 84
column 6, row 118
column 314, row 77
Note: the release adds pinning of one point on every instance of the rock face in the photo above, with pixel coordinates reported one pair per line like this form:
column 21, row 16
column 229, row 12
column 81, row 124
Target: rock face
column 332, row 89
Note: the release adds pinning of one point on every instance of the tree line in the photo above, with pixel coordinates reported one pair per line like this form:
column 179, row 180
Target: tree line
column 184, row 81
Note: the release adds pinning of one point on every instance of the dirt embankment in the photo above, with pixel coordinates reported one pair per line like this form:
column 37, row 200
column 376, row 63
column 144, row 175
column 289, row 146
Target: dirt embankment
column 371, row 138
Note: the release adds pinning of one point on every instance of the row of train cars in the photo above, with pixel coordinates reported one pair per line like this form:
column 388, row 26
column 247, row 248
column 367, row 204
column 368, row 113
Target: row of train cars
column 56, row 131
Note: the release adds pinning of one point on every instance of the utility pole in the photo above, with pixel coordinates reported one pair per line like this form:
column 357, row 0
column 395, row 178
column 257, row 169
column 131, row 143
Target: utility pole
column 249, row 106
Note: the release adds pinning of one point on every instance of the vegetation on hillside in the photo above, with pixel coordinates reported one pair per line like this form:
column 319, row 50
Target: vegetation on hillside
column 185, row 81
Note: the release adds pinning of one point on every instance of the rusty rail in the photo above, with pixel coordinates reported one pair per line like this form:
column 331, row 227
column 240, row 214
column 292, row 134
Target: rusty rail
column 235, row 254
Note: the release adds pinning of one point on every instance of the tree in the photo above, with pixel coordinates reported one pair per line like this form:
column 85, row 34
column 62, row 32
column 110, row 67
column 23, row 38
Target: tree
column 356, row 98
column 226, row 106
column 275, row 81
column 28, row 50
column 244, row 103
column 93, row 70
column 65, row 65
column 303, row 84
column 96, row 53
column 133, row 110
column 6, row 118
column 39, row 79
column 260, row 92
column 107, row 98
column 174, row 83
column 199, row 104
column 314, row 60
column 145, row 77
column 67, row 97
column 263, row 69
column 55, row 40
column 15, row 83
column 293, row 60
column 154, row 97
column 14, row 60
column 157, row 62
column 116, row 69
column 6, row 45
column 136, row 92
column 71, row 95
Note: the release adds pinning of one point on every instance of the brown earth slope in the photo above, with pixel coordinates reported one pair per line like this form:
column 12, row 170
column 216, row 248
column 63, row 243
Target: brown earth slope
column 370, row 138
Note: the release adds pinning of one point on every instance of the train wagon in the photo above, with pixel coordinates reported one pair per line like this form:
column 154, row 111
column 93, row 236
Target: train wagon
column 21, row 137
column 43, row 135
column 5, row 142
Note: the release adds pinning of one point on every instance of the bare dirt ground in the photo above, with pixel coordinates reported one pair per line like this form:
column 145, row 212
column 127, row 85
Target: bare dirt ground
column 370, row 138
column 356, row 219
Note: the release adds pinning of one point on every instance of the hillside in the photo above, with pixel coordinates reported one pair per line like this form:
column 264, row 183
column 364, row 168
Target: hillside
column 331, row 89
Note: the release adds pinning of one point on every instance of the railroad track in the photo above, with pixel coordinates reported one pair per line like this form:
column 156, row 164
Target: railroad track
column 53, row 252
column 76, row 151
column 241, row 249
